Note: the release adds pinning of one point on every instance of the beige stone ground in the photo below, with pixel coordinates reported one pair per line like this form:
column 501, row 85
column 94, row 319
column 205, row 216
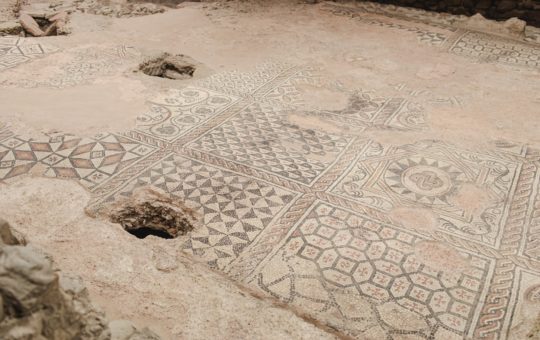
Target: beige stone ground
column 371, row 167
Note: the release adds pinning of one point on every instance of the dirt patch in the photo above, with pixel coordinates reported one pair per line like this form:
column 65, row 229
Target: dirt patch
column 534, row 333
column 471, row 198
column 152, row 212
column 415, row 218
column 323, row 98
column 439, row 255
column 169, row 66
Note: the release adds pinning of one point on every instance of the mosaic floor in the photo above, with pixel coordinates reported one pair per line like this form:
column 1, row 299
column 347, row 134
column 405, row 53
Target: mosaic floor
column 308, row 216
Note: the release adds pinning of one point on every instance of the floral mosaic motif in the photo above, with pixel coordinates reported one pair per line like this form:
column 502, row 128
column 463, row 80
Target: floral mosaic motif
column 179, row 111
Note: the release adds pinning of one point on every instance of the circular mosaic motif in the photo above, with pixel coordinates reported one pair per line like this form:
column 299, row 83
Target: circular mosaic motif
column 423, row 179
column 533, row 294
column 426, row 180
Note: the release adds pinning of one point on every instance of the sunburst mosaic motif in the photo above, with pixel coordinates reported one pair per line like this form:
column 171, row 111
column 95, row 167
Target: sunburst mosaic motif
column 424, row 180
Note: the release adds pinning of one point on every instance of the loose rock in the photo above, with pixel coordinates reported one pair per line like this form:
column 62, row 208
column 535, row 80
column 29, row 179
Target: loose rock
column 7, row 236
column 30, row 25
column 35, row 303
column 169, row 66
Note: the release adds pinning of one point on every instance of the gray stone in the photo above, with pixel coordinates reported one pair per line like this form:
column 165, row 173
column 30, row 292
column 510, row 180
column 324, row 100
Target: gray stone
column 35, row 307
column 37, row 303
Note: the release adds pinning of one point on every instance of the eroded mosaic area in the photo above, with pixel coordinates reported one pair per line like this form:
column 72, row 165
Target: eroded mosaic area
column 308, row 215
column 76, row 67
column 15, row 51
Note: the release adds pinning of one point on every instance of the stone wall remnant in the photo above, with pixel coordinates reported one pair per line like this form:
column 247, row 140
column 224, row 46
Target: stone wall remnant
column 528, row 10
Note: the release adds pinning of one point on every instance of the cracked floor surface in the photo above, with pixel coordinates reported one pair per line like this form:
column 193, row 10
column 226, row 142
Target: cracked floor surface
column 376, row 168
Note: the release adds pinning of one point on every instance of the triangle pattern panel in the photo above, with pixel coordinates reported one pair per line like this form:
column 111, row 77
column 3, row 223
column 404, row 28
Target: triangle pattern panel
column 234, row 209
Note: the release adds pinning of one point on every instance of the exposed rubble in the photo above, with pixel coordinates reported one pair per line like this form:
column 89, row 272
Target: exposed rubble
column 169, row 66
column 10, row 27
column 115, row 9
column 37, row 303
column 152, row 212
column 512, row 27
column 38, row 21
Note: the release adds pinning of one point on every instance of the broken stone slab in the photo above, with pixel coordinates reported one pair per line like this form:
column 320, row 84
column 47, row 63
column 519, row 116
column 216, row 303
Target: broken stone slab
column 37, row 10
column 30, row 25
column 38, row 14
column 515, row 26
column 10, row 27
column 58, row 16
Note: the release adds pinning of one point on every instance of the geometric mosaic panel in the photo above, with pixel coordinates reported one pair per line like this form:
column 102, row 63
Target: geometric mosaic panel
column 92, row 160
column 373, row 279
column 440, row 31
column 80, row 66
column 234, row 209
column 263, row 138
column 17, row 157
column 16, row 50
column 365, row 110
column 427, row 34
column 531, row 239
column 179, row 111
column 429, row 174
column 485, row 47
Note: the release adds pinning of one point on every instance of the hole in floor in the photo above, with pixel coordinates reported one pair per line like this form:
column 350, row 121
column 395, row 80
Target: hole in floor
column 151, row 212
column 144, row 231
column 169, row 66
